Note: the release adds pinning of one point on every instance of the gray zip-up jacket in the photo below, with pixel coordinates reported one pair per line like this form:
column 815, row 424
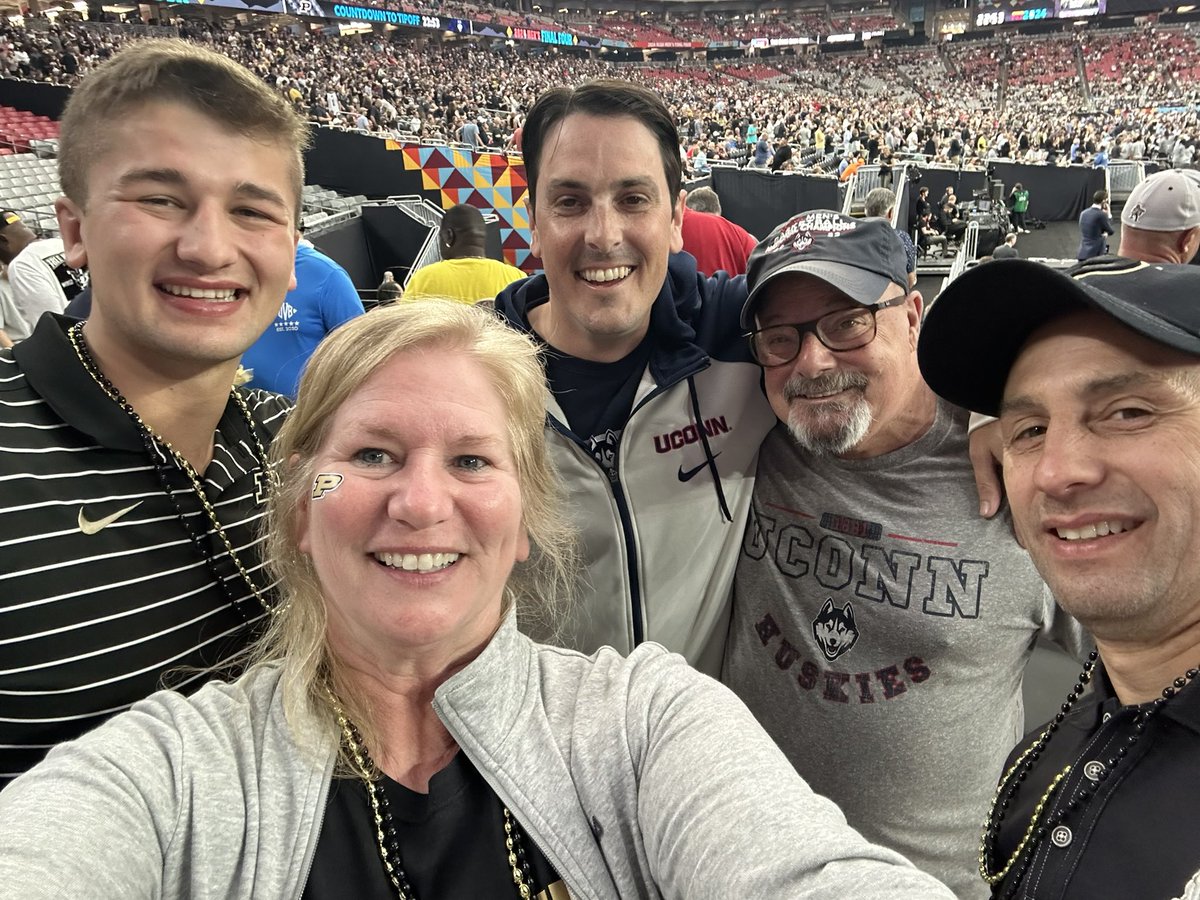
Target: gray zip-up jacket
column 661, row 538
column 637, row 778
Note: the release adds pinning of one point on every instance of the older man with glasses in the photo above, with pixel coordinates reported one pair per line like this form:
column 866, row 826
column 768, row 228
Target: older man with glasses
column 880, row 627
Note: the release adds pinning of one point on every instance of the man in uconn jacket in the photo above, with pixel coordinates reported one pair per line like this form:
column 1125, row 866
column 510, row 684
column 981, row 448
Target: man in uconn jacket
column 656, row 413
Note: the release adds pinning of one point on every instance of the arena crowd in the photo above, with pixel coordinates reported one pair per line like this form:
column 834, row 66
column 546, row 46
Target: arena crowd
column 1082, row 98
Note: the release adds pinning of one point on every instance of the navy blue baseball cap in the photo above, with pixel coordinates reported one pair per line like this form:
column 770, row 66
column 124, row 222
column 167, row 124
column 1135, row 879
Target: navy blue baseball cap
column 859, row 257
column 975, row 330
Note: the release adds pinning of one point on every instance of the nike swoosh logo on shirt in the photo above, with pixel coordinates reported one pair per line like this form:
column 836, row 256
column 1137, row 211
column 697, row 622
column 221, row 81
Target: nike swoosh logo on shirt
column 692, row 473
column 89, row 526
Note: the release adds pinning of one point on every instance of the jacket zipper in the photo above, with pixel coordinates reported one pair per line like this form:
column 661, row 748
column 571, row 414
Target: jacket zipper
column 320, row 825
column 618, row 491
column 631, row 550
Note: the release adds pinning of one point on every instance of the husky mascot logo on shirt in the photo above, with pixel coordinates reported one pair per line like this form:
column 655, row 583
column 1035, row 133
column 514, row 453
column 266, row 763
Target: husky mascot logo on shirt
column 834, row 629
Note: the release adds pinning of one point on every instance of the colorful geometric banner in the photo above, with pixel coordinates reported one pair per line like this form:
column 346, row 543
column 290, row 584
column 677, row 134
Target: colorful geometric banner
column 489, row 181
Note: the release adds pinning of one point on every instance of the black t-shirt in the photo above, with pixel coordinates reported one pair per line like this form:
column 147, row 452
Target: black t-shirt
column 451, row 841
column 782, row 155
column 597, row 398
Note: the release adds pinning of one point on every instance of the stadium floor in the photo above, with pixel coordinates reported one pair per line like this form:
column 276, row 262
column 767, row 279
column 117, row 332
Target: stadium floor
column 1060, row 240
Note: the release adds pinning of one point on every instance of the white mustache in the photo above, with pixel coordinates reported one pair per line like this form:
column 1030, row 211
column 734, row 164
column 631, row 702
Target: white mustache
column 799, row 386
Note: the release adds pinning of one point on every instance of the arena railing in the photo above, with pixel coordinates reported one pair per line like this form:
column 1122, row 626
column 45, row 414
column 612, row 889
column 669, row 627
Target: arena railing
column 124, row 28
column 415, row 207
column 861, row 183
column 405, row 137
column 1121, row 176
column 965, row 256
column 430, row 215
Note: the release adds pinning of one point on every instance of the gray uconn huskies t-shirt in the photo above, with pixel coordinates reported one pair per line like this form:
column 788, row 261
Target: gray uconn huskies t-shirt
column 880, row 631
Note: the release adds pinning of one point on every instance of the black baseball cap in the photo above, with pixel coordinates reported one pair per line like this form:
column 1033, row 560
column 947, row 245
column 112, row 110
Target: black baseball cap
column 975, row 330
column 859, row 257
column 8, row 217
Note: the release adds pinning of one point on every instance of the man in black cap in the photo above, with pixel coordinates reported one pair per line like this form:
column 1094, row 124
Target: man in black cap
column 1096, row 379
column 880, row 627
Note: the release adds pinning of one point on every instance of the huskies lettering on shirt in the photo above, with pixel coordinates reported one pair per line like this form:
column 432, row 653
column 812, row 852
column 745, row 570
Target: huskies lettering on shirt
column 836, row 634
column 846, row 555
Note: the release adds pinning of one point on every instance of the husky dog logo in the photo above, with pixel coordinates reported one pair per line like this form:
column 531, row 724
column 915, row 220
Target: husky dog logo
column 604, row 449
column 834, row 629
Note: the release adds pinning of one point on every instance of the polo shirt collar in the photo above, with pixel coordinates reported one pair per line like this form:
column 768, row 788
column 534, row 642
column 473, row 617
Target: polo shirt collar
column 1183, row 708
column 55, row 372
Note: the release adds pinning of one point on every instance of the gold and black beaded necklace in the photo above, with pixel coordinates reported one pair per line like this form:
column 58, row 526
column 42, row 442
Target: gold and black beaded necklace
column 1018, row 774
column 385, row 829
column 152, row 440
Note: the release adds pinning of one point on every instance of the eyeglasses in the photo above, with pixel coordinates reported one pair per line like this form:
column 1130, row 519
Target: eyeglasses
column 840, row 330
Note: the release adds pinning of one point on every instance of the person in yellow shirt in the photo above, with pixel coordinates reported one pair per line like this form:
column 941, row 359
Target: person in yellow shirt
column 464, row 273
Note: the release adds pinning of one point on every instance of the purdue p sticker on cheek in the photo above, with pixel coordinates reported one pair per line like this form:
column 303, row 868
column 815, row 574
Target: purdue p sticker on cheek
column 324, row 483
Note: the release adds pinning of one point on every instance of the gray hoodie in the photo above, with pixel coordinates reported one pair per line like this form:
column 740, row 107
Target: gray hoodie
column 637, row 778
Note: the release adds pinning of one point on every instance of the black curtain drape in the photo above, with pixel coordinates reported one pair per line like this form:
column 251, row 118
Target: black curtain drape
column 758, row 201
column 1056, row 193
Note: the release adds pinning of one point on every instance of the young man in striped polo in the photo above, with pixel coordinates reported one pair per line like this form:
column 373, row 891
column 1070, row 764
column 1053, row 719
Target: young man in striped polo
column 133, row 473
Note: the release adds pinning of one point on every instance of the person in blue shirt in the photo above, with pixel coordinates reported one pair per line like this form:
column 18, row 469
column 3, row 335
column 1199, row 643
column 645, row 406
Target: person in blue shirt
column 762, row 152
column 324, row 298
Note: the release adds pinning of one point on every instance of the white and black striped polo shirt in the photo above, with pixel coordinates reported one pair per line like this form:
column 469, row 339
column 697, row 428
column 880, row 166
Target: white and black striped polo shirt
column 92, row 618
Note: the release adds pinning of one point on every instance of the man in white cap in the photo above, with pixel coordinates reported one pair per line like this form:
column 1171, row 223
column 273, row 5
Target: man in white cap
column 1161, row 219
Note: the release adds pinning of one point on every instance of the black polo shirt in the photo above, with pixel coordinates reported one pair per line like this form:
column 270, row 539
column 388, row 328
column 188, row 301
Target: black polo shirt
column 101, row 590
column 1134, row 837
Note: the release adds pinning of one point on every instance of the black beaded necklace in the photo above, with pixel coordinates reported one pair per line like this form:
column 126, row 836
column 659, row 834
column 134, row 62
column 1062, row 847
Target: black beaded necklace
column 385, row 829
column 151, row 440
column 1019, row 772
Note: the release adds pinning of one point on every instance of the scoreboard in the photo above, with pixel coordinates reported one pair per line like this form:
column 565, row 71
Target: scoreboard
column 1001, row 12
